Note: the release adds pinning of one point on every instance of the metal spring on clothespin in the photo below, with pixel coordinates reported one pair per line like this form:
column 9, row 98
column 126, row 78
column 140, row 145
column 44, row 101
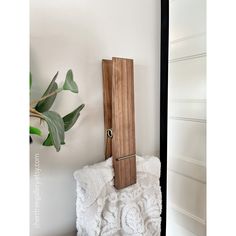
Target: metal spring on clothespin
column 109, row 135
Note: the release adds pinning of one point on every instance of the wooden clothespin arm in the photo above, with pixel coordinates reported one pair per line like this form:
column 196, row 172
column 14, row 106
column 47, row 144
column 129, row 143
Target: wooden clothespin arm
column 119, row 119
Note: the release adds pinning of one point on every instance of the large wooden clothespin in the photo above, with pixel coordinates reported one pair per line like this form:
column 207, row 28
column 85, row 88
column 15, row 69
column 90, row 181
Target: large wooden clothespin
column 119, row 119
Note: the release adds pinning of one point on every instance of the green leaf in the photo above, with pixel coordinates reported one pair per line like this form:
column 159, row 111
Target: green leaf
column 48, row 141
column 34, row 130
column 55, row 128
column 69, row 83
column 30, row 80
column 46, row 104
column 69, row 120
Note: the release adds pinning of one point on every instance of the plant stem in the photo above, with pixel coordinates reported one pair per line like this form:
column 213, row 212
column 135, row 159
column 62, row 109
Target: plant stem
column 32, row 110
column 35, row 115
column 47, row 96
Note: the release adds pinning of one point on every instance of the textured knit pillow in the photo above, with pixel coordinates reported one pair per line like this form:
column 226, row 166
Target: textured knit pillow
column 103, row 210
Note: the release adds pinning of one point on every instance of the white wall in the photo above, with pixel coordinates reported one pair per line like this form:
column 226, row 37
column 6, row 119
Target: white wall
column 78, row 34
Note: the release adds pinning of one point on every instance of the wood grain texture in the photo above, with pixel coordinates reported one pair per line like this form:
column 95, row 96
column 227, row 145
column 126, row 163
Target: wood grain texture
column 119, row 114
column 123, row 122
column 107, row 103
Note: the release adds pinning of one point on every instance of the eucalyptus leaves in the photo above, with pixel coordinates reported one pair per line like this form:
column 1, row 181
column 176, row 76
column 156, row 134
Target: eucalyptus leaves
column 56, row 124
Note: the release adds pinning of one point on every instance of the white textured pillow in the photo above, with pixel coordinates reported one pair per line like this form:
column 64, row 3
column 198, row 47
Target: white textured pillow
column 103, row 210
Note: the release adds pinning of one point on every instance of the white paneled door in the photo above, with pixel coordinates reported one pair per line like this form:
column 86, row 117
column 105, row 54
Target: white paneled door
column 186, row 205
